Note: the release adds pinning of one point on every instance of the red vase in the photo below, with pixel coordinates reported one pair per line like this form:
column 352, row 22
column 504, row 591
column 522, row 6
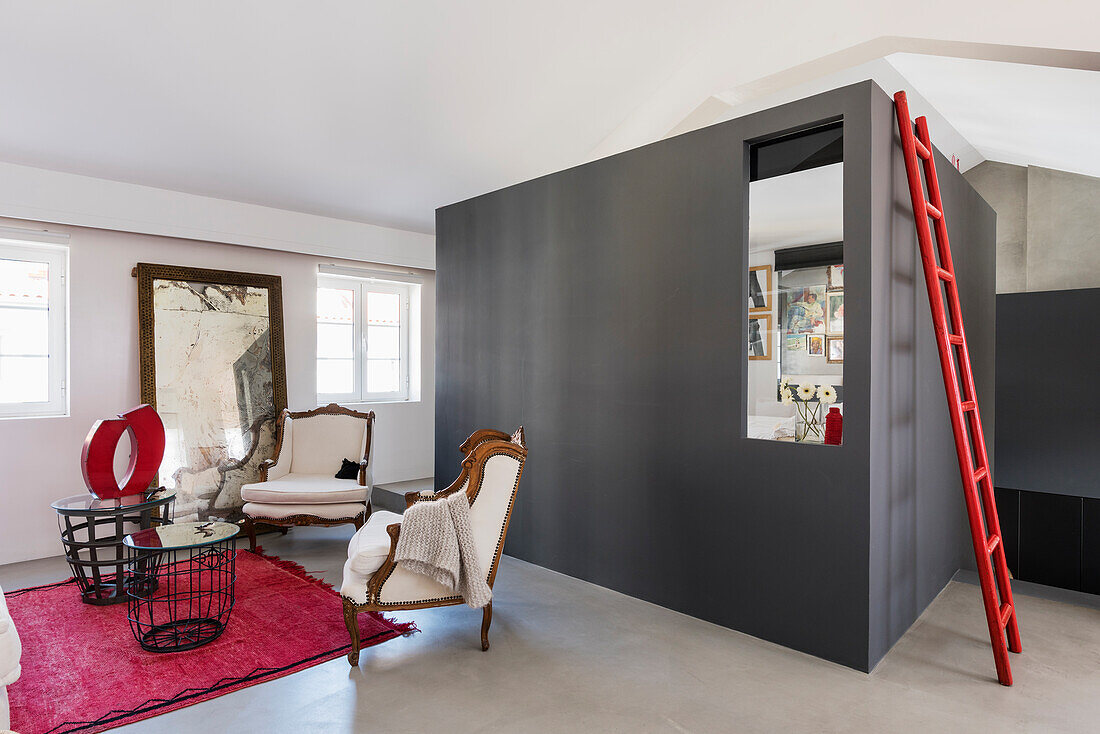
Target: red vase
column 98, row 457
column 834, row 427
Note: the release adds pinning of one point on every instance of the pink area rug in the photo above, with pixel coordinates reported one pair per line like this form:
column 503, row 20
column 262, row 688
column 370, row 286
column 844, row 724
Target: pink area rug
column 84, row 672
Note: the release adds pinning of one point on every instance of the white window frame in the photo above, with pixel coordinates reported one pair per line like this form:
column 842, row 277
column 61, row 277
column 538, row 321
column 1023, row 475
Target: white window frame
column 17, row 246
column 362, row 286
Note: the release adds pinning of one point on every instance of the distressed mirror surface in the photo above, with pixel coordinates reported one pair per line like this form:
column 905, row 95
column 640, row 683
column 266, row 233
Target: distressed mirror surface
column 796, row 286
column 212, row 365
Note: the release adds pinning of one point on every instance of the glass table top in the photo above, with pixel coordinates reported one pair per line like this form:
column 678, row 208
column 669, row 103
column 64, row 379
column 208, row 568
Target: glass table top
column 89, row 504
column 181, row 535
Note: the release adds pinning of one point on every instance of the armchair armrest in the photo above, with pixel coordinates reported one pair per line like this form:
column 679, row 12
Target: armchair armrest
column 366, row 476
column 426, row 495
column 374, row 586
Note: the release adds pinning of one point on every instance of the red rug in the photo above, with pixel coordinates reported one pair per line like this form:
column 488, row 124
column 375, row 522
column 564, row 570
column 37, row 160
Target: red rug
column 84, row 672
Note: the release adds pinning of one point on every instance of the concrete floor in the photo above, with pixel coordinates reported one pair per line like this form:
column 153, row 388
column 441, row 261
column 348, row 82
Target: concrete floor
column 568, row 656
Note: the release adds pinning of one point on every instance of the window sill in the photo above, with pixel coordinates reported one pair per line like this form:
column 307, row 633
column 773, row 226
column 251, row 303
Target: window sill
column 33, row 416
column 353, row 404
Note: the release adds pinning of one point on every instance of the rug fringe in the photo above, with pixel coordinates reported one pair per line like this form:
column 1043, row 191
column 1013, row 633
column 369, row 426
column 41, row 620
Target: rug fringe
column 291, row 567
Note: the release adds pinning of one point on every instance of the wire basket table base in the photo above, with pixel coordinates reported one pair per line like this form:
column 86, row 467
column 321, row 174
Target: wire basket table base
column 180, row 597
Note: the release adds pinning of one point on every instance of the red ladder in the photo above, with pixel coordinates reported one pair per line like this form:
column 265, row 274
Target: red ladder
column 1000, row 612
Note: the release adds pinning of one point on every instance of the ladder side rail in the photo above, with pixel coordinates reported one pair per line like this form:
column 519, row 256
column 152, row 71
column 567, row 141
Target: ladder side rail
column 933, row 183
column 947, row 366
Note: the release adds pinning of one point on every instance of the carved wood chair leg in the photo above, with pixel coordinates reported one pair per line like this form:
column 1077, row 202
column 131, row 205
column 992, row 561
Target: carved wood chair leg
column 250, row 530
column 351, row 621
column 486, row 620
column 284, row 529
column 358, row 521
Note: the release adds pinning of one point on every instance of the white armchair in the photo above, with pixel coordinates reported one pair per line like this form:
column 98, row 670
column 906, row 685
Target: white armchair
column 298, row 485
column 373, row 581
column 10, row 653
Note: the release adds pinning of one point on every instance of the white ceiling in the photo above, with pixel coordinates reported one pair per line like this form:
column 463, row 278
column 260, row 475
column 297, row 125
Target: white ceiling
column 1014, row 113
column 368, row 111
column 381, row 112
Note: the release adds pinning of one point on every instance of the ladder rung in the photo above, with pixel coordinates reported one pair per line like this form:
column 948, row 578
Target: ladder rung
column 945, row 274
column 922, row 151
column 1006, row 613
column 969, row 405
column 955, row 339
column 981, row 474
column 992, row 544
column 932, row 211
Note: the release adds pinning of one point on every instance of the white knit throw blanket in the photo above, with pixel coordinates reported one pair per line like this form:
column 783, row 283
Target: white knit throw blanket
column 436, row 540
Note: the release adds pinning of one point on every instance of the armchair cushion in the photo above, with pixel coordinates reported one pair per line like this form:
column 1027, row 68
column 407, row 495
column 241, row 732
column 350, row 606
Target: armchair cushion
column 321, row 442
column 341, row 511
column 310, row 489
column 371, row 544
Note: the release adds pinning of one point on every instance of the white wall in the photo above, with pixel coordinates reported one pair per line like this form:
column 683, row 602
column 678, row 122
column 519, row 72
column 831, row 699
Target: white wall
column 40, row 458
column 66, row 198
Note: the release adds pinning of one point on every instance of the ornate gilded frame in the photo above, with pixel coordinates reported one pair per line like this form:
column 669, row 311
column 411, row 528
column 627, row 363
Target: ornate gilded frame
column 147, row 273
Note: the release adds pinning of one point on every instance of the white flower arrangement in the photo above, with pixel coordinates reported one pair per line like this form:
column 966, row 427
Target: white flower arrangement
column 810, row 399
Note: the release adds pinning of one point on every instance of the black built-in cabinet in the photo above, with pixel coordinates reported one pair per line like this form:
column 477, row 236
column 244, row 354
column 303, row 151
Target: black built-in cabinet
column 1051, row 539
column 1047, row 433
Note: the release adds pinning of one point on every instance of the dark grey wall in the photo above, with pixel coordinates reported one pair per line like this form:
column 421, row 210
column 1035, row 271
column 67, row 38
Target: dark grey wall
column 1047, row 429
column 918, row 517
column 603, row 308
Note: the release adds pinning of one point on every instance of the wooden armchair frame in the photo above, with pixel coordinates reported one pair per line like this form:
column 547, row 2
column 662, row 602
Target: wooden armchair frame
column 265, row 466
column 479, row 447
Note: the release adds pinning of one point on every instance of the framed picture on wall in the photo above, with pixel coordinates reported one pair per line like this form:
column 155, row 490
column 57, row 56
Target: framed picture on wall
column 760, row 336
column 834, row 313
column 836, row 277
column 796, row 343
column 815, row 345
column 834, row 349
column 760, row 288
column 803, row 309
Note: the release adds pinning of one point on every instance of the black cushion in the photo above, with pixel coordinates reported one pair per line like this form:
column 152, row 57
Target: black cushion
column 348, row 470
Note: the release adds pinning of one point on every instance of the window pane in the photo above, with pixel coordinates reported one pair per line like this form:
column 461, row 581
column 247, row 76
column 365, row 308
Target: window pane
column 24, row 331
column 336, row 340
column 335, row 376
column 383, row 342
column 383, row 309
column 383, row 375
column 335, row 305
column 24, row 379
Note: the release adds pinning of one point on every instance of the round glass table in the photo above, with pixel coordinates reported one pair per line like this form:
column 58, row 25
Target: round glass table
column 180, row 584
column 92, row 531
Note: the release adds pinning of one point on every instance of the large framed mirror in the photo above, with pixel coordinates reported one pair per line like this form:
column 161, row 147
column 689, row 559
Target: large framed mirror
column 796, row 285
column 212, row 364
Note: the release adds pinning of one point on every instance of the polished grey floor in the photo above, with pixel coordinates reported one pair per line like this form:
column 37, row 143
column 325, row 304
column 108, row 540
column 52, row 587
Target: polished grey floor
column 568, row 656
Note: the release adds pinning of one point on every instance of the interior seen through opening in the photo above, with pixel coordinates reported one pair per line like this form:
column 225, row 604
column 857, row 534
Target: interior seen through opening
column 796, row 304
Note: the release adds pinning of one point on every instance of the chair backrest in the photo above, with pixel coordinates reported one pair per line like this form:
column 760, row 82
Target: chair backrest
column 490, row 478
column 322, row 438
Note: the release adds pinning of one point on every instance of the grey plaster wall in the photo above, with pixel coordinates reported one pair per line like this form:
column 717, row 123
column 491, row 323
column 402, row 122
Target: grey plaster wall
column 1063, row 230
column 1004, row 187
column 1048, row 226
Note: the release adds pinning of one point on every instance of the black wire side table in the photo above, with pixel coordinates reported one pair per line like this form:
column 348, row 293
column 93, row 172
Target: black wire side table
column 180, row 583
column 92, row 531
